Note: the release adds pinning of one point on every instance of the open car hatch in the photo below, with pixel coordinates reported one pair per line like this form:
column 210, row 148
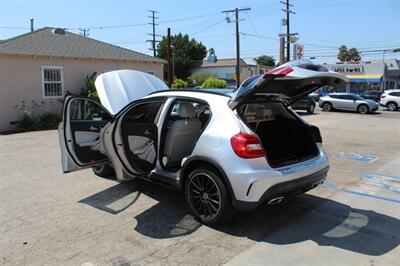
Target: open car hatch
column 289, row 82
column 118, row 88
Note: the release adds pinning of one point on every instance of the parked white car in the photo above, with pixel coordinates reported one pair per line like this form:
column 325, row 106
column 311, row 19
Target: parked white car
column 348, row 102
column 391, row 100
column 224, row 151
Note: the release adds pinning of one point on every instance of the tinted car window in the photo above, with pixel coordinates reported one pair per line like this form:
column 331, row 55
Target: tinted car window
column 348, row 97
column 86, row 110
column 396, row 93
column 146, row 112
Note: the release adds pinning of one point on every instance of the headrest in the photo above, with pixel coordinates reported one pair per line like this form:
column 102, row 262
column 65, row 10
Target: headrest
column 186, row 110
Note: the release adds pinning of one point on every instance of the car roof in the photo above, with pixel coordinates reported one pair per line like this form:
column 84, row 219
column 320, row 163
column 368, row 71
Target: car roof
column 342, row 93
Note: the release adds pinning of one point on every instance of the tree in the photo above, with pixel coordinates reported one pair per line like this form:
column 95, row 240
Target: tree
column 343, row 54
column 265, row 60
column 187, row 53
column 354, row 55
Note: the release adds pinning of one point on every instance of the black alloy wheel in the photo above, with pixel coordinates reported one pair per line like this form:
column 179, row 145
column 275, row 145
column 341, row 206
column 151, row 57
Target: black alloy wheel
column 208, row 197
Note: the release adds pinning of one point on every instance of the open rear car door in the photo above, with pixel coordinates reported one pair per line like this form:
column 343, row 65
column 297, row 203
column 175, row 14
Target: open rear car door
column 79, row 133
column 288, row 82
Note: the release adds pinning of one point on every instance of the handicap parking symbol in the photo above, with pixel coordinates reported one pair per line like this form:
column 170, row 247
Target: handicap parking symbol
column 357, row 157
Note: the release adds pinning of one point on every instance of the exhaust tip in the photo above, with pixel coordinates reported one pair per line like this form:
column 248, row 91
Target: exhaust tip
column 275, row 200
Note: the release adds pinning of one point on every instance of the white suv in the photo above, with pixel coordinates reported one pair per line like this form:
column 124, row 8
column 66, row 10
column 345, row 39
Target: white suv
column 224, row 151
column 391, row 99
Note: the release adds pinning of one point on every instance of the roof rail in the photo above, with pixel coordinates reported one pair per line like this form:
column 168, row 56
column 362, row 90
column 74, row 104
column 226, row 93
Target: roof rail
column 189, row 90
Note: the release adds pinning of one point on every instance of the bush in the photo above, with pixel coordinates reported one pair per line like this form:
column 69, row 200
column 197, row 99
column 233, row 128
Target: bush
column 214, row 83
column 90, row 89
column 27, row 122
column 196, row 79
column 179, row 84
column 49, row 120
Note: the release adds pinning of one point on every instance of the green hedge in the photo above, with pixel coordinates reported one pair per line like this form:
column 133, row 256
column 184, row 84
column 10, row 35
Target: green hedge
column 214, row 83
column 179, row 84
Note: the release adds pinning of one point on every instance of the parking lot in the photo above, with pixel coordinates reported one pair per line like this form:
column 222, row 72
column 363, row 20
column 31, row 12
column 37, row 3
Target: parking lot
column 50, row 218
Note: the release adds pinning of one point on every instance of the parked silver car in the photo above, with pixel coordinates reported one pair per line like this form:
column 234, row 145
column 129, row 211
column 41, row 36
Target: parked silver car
column 349, row 102
column 225, row 151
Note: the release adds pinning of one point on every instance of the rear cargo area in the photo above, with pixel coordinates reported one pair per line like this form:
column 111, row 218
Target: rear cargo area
column 285, row 139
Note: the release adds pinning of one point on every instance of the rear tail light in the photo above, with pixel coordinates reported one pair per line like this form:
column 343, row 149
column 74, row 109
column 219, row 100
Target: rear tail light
column 278, row 72
column 247, row 146
column 383, row 96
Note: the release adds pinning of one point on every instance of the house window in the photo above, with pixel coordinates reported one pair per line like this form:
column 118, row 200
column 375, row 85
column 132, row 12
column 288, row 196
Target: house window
column 52, row 82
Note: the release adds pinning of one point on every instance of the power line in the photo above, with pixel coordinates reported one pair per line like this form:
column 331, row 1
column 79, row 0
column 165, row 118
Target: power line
column 188, row 18
column 208, row 27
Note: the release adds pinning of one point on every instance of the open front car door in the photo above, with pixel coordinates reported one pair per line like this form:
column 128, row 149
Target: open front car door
column 79, row 133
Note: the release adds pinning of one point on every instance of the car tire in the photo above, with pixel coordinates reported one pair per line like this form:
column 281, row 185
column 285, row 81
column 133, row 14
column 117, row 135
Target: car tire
column 103, row 170
column 327, row 107
column 363, row 109
column 208, row 197
column 311, row 108
column 391, row 106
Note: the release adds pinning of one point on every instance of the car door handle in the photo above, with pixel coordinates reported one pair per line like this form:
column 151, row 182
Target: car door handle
column 148, row 133
column 95, row 128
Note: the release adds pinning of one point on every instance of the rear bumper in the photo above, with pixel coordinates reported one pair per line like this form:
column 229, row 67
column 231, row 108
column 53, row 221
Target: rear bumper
column 286, row 189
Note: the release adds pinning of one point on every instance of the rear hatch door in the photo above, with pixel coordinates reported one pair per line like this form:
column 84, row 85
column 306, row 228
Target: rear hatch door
column 289, row 82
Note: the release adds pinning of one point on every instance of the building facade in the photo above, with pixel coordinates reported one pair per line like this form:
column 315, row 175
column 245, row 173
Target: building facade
column 37, row 70
column 225, row 69
column 369, row 76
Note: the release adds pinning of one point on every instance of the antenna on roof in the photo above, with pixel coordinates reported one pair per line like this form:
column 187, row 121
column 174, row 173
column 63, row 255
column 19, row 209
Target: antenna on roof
column 32, row 19
column 84, row 32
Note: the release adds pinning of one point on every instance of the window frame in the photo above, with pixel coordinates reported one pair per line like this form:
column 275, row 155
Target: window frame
column 61, row 68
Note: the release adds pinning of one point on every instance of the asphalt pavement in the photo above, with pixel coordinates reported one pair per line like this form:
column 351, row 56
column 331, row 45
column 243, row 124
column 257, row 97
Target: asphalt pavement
column 50, row 218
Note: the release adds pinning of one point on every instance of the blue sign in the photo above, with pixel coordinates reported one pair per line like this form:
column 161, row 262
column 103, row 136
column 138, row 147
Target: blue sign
column 357, row 157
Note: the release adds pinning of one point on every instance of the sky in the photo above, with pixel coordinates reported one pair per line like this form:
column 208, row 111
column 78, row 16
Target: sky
column 322, row 25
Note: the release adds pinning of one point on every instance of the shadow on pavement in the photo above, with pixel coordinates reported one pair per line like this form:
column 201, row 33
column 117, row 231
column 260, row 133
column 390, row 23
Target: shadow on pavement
column 114, row 199
column 326, row 222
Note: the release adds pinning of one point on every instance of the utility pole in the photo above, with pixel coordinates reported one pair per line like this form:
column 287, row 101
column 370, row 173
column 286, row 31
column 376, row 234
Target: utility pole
column 169, row 52
column 287, row 11
column 32, row 19
column 154, row 24
column 281, row 50
column 236, row 11
column 84, row 31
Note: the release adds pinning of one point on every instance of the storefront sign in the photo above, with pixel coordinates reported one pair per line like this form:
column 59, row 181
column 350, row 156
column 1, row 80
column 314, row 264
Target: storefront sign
column 348, row 68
